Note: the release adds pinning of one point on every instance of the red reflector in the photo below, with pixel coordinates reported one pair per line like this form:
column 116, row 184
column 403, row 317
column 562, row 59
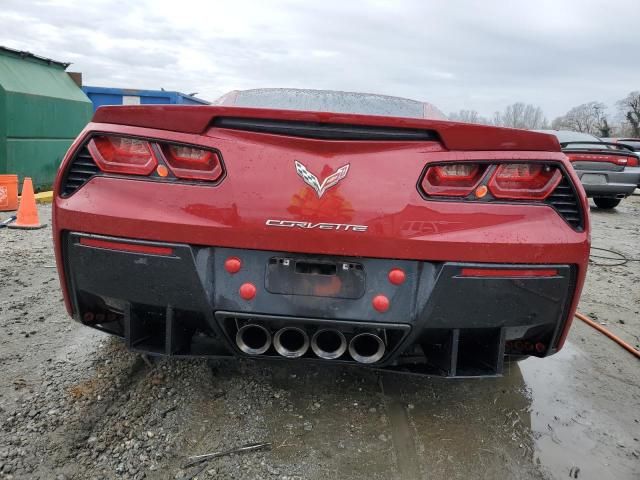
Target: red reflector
column 192, row 163
column 126, row 247
column 247, row 291
column 397, row 276
column 452, row 180
column 509, row 272
column 380, row 303
column 524, row 181
column 232, row 264
column 122, row 155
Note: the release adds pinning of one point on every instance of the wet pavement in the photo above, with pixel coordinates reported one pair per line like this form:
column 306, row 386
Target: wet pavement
column 573, row 415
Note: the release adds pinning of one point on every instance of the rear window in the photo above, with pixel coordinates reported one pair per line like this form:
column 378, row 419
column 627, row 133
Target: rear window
column 333, row 101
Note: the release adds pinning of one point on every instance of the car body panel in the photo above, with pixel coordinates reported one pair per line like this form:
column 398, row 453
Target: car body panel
column 375, row 216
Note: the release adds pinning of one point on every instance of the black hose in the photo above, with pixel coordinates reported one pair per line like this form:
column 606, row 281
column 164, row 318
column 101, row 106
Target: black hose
column 618, row 258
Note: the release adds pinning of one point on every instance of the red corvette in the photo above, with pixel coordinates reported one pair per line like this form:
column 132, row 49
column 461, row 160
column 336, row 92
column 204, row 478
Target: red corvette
column 409, row 244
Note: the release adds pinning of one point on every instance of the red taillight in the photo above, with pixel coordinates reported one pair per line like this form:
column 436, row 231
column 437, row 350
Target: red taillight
column 594, row 157
column 126, row 155
column 452, row 180
column 524, row 181
column 135, row 156
column 192, row 163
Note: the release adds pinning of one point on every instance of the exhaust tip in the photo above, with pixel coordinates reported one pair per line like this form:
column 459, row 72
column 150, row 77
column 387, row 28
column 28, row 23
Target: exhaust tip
column 366, row 348
column 328, row 344
column 253, row 339
column 291, row 342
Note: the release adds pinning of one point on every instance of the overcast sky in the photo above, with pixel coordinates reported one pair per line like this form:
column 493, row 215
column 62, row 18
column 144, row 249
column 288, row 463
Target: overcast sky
column 479, row 55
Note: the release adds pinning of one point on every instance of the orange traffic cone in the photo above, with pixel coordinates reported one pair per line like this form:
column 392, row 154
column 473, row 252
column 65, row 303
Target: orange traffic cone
column 27, row 210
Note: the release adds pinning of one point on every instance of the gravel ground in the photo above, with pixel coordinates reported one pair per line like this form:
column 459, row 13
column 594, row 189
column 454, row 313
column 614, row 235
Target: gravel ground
column 74, row 404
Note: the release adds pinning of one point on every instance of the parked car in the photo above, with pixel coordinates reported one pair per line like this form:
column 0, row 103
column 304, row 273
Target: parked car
column 633, row 143
column 396, row 242
column 609, row 171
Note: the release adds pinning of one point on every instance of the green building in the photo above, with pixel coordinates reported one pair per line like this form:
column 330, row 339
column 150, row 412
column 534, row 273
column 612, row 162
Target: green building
column 41, row 111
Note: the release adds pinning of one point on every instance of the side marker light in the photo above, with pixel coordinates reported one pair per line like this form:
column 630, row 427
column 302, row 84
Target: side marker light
column 481, row 191
column 162, row 171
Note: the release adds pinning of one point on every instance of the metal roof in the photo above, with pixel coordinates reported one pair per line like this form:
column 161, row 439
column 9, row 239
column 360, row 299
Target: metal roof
column 25, row 54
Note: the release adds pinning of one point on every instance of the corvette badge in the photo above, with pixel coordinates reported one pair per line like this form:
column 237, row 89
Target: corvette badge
column 346, row 227
column 311, row 180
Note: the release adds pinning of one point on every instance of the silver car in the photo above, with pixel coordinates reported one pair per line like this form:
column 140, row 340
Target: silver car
column 608, row 171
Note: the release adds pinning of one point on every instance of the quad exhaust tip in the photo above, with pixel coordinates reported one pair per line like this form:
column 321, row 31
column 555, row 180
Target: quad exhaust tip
column 291, row 342
column 253, row 339
column 328, row 343
column 366, row 348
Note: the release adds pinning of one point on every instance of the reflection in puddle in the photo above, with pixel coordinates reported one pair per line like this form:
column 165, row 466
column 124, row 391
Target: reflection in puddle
column 540, row 420
column 572, row 419
column 353, row 423
column 473, row 428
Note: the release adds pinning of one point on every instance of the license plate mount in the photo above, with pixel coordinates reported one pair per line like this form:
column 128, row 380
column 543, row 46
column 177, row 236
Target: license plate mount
column 594, row 179
column 315, row 277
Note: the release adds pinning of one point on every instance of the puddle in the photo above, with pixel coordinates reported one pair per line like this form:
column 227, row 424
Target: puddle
column 577, row 420
column 470, row 428
column 546, row 418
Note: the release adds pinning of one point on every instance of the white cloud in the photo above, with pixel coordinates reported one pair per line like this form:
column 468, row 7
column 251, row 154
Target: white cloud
column 474, row 54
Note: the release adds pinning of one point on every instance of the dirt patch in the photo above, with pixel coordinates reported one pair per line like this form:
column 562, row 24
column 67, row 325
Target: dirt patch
column 74, row 404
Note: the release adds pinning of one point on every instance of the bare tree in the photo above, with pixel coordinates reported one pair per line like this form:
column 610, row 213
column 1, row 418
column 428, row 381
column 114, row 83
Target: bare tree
column 468, row 116
column 604, row 128
column 521, row 115
column 601, row 121
column 588, row 118
column 497, row 119
column 630, row 108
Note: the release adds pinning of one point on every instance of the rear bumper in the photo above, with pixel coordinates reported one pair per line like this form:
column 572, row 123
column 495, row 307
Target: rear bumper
column 446, row 318
column 615, row 184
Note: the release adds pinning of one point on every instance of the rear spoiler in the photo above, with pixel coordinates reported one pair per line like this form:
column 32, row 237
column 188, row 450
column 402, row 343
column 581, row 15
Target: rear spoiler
column 618, row 149
column 197, row 119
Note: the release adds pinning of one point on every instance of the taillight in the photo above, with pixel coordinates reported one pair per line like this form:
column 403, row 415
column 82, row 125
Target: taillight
column 495, row 181
column 524, row 181
column 192, row 163
column 136, row 156
column 127, row 155
column 452, row 180
column 592, row 157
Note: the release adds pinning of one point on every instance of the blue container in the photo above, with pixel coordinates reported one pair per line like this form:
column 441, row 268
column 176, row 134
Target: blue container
column 100, row 96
